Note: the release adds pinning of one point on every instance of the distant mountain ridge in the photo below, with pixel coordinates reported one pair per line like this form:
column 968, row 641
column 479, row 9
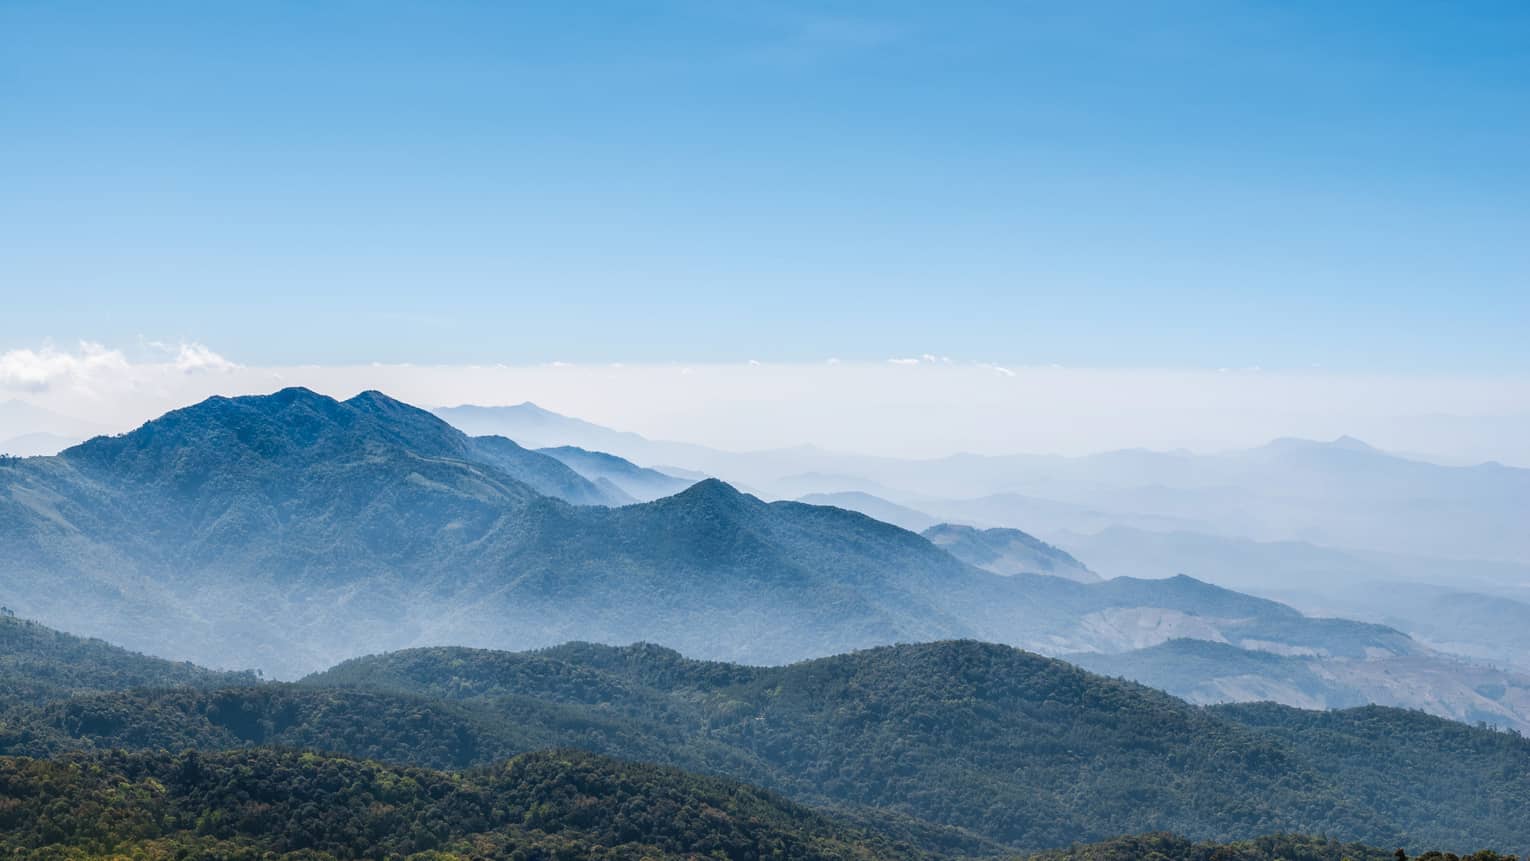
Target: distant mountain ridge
column 640, row 483
column 290, row 531
column 1340, row 493
column 874, row 506
column 1008, row 552
column 1207, row 672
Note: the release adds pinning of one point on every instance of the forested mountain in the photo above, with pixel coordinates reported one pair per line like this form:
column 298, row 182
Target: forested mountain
column 1022, row 749
column 1009, row 747
column 1274, row 847
column 261, row 804
column 38, row 664
column 561, row 804
column 292, row 530
column 1007, row 551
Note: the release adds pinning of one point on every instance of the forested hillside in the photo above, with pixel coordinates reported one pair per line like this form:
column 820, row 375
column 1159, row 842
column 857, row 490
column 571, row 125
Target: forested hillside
column 1022, row 750
column 559, row 804
column 38, row 663
column 1274, row 847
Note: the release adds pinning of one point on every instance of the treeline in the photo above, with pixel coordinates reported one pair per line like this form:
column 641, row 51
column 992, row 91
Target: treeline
column 955, row 746
column 552, row 805
column 38, row 664
column 1274, row 847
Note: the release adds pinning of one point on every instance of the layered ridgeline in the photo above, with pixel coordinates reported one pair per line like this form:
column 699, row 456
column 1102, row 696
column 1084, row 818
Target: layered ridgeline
column 1207, row 672
column 952, row 746
column 1007, row 551
column 292, row 530
column 1340, row 493
column 635, row 481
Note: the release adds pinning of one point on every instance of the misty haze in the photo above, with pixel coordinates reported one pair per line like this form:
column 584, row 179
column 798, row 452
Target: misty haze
column 759, row 431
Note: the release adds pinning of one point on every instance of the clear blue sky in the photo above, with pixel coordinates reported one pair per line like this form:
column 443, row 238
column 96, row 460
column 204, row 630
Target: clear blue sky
column 1172, row 183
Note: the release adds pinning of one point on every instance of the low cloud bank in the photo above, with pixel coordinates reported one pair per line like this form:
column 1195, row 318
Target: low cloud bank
column 924, row 407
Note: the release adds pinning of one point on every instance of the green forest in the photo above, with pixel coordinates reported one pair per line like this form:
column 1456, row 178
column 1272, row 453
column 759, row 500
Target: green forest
column 951, row 749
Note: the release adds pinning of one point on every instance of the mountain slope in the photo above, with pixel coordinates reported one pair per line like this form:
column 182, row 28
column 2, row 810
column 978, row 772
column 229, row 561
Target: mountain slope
column 1019, row 749
column 1277, row 847
column 562, row 804
column 1026, row 750
column 292, row 531
column 39, row 664
column 1207, row 672
column 640, row 483
column 1007, row 552
column 874, row 506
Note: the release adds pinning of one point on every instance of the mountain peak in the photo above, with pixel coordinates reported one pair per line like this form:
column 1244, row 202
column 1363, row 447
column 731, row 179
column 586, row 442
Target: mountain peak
column 288, row 394
column 712, row 495
column 1302, row 444
column 1351, row 444
column 712, row 488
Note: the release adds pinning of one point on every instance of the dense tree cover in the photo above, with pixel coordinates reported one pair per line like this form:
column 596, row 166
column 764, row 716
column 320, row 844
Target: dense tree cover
column 551, row 805
column 1023, row 749
column 1444, row 764
column 397, row 728
column 1019, row 749
column 38, row 663
column 1274, row 847
column 560, row 804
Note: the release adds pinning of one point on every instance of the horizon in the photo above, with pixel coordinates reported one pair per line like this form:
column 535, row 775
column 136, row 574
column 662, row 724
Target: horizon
column 1333, row 219
column 317, row 190
column 1012, row 431
column 43, row 417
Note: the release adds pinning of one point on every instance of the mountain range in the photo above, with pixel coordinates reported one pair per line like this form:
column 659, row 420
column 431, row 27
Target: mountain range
column 954, row 748
column 289, row 531
column 1007, row 552
column 1340, row 493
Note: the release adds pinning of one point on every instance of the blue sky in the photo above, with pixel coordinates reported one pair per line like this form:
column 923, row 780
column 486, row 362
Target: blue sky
column 1175, row 184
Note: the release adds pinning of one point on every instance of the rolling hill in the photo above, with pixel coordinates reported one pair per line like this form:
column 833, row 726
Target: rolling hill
column 952, row 745
column 38, row 664
column 249, row 804
column 1003, row 745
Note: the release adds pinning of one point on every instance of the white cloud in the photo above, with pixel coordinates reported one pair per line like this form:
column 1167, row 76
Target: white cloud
column 903, row 361
column 46, row 368
column 874, row 407
column 193, row 357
